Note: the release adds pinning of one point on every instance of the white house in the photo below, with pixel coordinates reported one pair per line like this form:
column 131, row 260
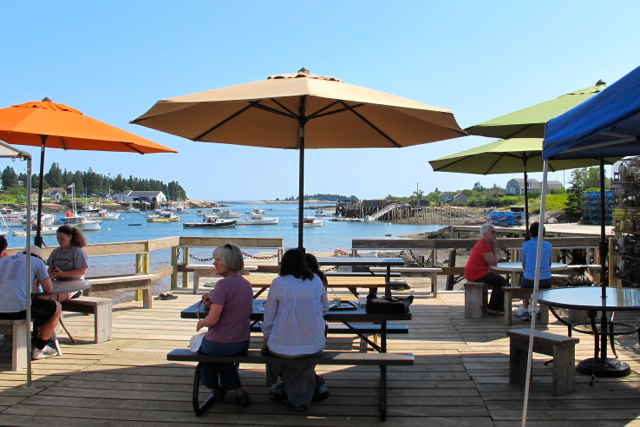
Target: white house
column 121, row 197
column 146, row 196
column 515, row 186
column 56, row 195
column 446, row 197
column 460, row 198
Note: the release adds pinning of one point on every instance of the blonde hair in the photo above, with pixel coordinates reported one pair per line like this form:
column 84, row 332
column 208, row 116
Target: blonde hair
column 230, row 255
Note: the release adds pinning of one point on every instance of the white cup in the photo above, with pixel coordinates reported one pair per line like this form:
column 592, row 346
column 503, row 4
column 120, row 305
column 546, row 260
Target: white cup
column 362, row 301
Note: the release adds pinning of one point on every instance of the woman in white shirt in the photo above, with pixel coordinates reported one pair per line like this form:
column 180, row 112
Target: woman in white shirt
column 294, row 327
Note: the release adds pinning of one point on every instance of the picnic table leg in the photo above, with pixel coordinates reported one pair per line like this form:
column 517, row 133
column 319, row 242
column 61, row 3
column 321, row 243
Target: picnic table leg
column 387, row 289
column 383, row 336
column 383, row 393
column 195, row 399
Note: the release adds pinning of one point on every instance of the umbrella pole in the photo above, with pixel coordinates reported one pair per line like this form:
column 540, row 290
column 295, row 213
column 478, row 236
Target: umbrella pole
column 526, row 202
column 302, row 121
column 38, row 240
column 603, row 249
column 28, row 271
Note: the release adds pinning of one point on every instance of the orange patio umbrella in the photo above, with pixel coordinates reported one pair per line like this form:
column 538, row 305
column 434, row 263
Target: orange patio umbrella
column 53, row 125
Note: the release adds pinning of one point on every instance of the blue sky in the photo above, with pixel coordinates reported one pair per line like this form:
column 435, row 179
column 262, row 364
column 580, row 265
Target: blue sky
column 113, row 60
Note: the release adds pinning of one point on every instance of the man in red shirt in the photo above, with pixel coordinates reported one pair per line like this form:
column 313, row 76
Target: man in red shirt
column 483, row 255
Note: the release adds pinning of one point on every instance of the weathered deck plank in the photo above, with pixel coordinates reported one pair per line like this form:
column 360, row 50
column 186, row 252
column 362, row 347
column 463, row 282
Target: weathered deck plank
column 460, row 378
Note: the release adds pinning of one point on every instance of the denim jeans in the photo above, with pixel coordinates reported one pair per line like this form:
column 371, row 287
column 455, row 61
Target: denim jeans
column 209, row 372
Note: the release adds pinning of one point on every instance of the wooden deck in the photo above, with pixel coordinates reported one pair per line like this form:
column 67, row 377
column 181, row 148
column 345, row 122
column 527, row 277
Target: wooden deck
column 460, row 378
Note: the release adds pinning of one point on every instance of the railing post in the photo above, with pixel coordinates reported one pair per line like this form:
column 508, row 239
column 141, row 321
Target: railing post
column 185, row 274
column 174, row 264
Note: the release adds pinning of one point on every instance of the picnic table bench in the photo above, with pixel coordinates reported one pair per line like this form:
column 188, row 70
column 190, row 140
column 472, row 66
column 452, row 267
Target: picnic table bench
column 208, row 270
column 351, row 283
column 326, row 358
column 125, row 282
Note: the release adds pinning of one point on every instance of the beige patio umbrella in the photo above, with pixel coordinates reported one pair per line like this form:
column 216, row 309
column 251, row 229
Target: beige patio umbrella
column 298, row 111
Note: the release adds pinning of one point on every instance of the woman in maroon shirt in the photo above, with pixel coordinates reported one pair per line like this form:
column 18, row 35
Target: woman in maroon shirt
column 230, row 305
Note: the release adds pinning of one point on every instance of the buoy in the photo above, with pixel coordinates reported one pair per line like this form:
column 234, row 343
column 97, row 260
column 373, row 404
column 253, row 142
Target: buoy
column 108, row 229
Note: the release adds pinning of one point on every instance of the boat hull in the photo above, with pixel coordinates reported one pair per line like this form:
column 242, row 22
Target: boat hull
column 219, row 224
column 263, row 221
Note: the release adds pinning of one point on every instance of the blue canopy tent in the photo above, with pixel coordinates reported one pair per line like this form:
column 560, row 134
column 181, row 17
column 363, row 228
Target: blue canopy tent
column 605, row 125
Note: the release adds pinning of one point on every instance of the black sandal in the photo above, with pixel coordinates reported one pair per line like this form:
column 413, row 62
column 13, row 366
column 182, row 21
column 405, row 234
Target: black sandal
column 243, row 399
column 219, row 393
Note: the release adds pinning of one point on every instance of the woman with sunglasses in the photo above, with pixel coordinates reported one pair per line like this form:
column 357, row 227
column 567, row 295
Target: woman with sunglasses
column 68, row 261
column 483, row 255
column 230, row 305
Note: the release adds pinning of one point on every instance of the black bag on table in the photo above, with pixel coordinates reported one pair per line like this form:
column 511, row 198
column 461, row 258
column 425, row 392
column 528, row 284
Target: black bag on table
column 391, row 305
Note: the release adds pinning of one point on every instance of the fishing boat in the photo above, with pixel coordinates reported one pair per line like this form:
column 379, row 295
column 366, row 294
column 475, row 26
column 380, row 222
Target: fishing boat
column 130, row 209
column 44, row 231
column 165, row 217
column 72, row 218
column 82, row 223
column 309, row 221
column 256, row 211
column 103, row 214
column 258, row 219
column 212, row 222
column 322, row 213
column 228, row 214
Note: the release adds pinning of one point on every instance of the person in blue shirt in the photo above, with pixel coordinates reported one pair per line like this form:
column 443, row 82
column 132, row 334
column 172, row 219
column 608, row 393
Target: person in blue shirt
column 529, row 250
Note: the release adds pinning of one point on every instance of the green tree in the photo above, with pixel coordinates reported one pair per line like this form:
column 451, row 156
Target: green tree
column 9, row 178
column 573, row 207
column 54, row 177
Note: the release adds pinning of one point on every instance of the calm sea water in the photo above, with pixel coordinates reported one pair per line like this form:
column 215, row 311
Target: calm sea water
column 327, row 238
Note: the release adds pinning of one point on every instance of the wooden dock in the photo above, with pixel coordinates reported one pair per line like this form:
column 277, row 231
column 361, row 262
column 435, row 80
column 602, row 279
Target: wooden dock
column 460, row 378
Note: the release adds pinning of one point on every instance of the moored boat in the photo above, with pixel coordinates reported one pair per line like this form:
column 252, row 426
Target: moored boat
column 212, row 222
column 258, row 219
column 228, row 214
column 309, row 221
column 165, row 217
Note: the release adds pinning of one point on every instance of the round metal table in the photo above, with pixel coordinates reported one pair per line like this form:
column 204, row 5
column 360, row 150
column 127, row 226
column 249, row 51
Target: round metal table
column 591, row 299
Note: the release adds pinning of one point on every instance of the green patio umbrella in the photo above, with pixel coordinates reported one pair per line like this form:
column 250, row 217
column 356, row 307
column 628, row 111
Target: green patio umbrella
column 530, row 122
column 508, row 156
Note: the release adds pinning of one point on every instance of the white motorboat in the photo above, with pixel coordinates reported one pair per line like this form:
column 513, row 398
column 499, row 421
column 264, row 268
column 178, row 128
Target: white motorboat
column 130, row 209
column 258, row 219
column 44, row 231
column 256, row 211
column 322, row 213
column 83, row 223
column 309, row 221
column 72, row 219
column 108, row 216
column 228, row 214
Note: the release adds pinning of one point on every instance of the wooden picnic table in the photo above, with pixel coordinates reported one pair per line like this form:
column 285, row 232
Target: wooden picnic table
column 263, row 282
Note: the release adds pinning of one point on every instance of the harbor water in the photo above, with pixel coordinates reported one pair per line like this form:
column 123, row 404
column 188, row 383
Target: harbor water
column 134, row 227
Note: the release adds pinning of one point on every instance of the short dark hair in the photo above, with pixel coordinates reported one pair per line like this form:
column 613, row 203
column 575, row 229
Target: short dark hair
column 293, row 264
column 534, row 228
column 3, row 243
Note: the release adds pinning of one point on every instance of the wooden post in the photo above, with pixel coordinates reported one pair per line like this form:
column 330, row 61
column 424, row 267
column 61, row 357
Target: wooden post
column 452, row 260
column 185, row 261
column 174, row 264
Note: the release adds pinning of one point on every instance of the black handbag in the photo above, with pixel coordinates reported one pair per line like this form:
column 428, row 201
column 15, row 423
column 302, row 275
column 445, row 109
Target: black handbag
column 391, row 305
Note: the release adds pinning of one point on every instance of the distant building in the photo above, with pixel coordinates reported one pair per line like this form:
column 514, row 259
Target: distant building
column 446, row 197
column 141, row 196
column 50, row 190
column 460, row 198
column 57, row 195
column 515, row 186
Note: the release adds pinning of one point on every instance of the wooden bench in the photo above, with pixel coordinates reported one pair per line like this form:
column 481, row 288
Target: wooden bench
column 206, row 270
column 327, row 358
column 18, row 331
column 359, row 274
column 476, row 297
column 101, row 308
column 431, row 273
column 518, row 292
column 560, row 347
column 134, row 282
column 353, row 329
column 351, row 283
